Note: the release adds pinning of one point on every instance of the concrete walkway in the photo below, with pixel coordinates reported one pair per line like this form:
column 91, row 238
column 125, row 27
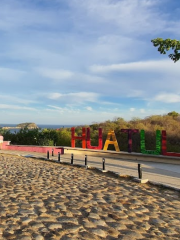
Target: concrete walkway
column 164, row 173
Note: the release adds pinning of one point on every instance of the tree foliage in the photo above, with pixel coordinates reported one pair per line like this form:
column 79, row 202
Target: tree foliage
column 62, row 137
column 173, row 114
column 166, row 45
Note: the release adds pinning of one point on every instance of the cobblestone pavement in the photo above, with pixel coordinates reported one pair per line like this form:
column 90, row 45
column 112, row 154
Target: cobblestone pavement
column 163, row 173
column 44, row 200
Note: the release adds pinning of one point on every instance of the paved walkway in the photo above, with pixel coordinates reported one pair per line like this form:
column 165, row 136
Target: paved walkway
column 163, row 173
column 45, row 200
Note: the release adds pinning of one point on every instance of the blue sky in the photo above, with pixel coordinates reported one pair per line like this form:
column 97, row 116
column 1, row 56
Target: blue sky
column 84, row 61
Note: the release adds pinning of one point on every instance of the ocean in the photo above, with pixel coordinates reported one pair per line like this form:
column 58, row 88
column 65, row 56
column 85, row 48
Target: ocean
column 42, row 126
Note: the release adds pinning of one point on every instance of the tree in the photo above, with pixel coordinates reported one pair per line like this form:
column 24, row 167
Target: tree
column 166, row 45
column 173, row 114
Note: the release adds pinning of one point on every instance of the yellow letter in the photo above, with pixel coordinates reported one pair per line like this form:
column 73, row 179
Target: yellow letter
column 114, row 141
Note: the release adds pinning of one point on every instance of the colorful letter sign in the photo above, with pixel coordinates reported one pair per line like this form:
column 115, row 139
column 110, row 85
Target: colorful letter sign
column 130, row 131
column 114, row 141
column 83, row 137
column 99, row 140
column 164, row 148
column 1, row 141
column 158, row 143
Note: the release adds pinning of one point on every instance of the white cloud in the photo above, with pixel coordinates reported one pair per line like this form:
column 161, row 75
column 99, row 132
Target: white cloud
column 10, row 74
column 55, row 74
column 15, row 99
column 15, row 15
column 132, row 109
column 137, row 16
column 84, row 79
column 57, row 108
column 142, row 110
column 47, row 50
column 54, row 96
column 89, row 108
column 16, row 107
column 167, row 98
column 154, row 65
column 78, row 97
column 135, row 93
column 79, row 77
column 108, row 48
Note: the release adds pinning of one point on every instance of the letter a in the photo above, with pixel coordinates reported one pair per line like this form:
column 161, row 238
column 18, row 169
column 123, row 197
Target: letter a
column 114, row 141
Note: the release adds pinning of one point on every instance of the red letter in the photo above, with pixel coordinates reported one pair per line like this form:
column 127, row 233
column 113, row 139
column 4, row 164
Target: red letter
column 164, row 149
column 83, row 137
column 99, row 140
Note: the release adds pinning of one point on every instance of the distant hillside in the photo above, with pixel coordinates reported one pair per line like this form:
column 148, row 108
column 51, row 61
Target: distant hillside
column 27, row 125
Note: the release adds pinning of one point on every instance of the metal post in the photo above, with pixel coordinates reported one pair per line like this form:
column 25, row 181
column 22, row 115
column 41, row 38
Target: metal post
column 47, row 154
column 139, row 171
column 59, row 156
column 103, row 163
column 72, row 158
column 52, row 152
column 86, row 160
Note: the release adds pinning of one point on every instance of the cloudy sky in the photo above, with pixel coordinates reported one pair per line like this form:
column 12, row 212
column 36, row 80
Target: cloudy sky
column 84, row 61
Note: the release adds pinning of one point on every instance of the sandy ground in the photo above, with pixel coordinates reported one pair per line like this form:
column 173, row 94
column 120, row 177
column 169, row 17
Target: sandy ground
column 44, row 200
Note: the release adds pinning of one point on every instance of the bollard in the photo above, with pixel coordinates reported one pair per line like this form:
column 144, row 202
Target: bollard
column 86, row 160
column 103, row 164
column 72, row 158
column 59, row 156
column 52, row 152
column 47, row 154
column 139, row 171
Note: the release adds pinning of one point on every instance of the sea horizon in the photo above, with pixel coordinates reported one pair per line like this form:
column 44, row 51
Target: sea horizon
column 41, row 126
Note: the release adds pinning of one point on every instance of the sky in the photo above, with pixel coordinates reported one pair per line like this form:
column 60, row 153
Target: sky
column 85, row 61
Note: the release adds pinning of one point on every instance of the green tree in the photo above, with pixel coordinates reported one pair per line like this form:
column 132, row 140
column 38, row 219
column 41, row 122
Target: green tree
column 166, row 45
column 173, row 114
column 64, row 137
